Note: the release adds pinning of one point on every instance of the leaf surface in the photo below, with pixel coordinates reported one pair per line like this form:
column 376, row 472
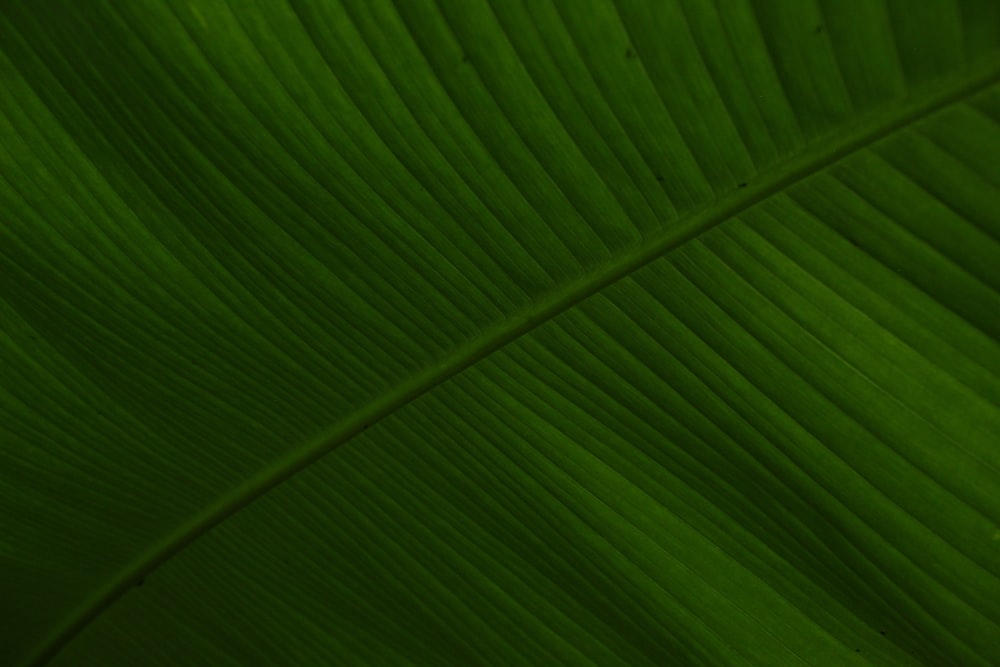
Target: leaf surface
column 500, row 333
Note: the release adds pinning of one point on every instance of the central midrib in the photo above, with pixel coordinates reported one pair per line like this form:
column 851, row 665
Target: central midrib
column 817, row 157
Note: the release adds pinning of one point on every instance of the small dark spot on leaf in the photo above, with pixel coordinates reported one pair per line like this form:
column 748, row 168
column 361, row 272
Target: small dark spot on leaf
column 465, row 58
column 857, row 650
column 630, row 53
column 742, row 185
column 881, row 632
column 140, row 582
column 659, row 178
column 818, row 29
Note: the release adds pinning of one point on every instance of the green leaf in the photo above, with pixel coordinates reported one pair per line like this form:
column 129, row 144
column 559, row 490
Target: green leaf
column 500, row 333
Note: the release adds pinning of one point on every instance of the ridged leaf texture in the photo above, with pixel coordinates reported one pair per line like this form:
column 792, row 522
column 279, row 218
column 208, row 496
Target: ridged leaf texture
column 468, row 332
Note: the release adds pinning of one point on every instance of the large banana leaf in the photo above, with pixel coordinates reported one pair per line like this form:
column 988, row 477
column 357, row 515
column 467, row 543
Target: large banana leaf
column 500, row 333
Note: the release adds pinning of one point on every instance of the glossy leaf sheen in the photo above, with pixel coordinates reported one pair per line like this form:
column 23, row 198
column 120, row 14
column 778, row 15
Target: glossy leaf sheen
column 501, row 333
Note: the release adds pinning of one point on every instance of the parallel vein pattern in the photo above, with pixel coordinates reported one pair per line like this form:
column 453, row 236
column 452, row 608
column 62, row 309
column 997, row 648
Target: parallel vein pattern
column 691, row 465
column 235, row 237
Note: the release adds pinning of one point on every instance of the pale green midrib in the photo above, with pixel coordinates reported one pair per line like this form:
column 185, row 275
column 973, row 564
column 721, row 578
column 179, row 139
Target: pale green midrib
column 817, row 157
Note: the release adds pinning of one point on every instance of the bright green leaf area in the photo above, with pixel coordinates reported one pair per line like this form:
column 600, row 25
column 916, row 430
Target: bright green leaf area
column 499, row 332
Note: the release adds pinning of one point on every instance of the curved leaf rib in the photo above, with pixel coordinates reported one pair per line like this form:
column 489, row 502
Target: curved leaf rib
column 818, row 157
